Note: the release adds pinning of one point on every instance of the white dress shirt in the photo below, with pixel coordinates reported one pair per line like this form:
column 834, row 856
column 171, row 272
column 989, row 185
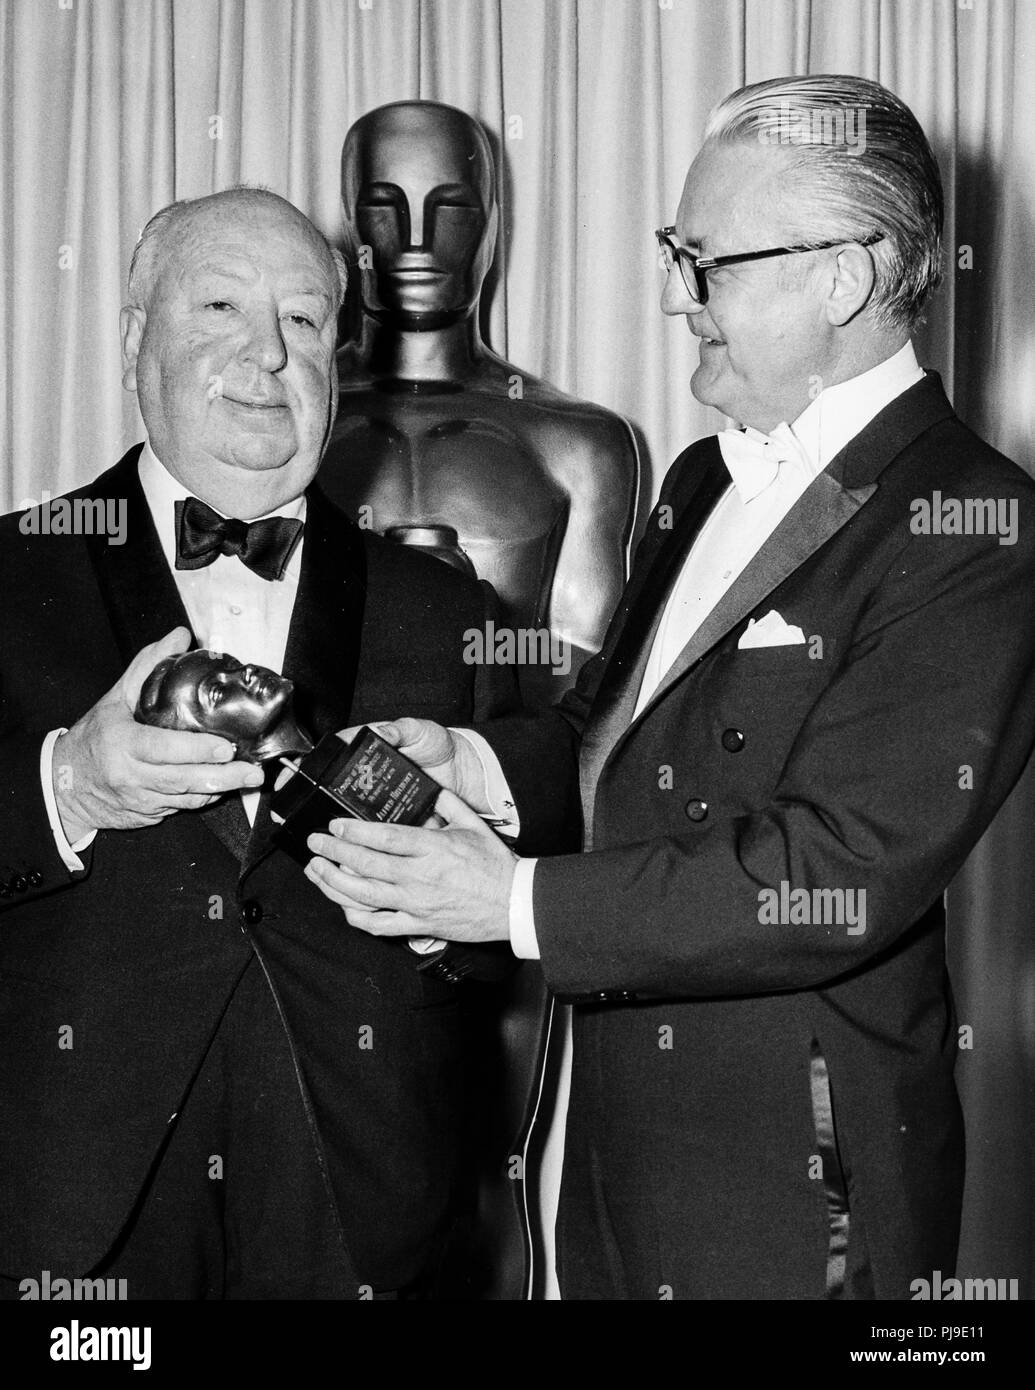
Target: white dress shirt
column 229, row 608
column 743, row 519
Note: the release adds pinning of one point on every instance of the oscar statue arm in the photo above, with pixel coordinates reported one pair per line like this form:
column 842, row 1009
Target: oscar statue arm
column 598, row 467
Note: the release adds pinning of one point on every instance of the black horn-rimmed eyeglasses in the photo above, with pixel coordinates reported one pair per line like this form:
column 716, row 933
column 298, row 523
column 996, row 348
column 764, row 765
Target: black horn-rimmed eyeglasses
column 694, row 269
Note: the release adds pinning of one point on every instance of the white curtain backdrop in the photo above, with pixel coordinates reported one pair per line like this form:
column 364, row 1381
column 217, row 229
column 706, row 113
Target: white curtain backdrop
column 112, row 108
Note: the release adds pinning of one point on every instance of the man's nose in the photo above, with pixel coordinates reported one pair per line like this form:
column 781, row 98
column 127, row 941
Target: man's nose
column 265, row 344
column 675, row 297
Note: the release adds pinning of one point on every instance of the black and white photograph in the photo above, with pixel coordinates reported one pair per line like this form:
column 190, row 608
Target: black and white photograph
column 517, row 673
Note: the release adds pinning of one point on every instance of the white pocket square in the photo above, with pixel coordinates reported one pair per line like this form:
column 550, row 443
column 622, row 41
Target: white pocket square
column 771, row 631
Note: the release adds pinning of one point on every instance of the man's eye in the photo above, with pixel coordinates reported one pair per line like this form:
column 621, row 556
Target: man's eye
column 300, row 319
column 218, row 304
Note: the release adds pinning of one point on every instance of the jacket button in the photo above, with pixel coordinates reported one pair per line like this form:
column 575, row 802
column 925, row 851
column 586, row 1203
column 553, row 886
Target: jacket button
column 732, row 740
column 697, row 809
column 19, row 883
column 251, row 912
column 35, row 878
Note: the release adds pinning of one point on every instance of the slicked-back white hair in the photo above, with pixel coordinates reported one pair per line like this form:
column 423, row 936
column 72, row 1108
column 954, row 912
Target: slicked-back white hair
column 886, row 182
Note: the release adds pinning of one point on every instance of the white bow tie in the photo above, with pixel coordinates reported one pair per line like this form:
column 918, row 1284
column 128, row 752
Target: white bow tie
column 753, row 458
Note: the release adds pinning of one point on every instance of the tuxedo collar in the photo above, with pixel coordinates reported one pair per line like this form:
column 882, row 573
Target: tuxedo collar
column 864, row 458
column 136, row 584
column 840, row 412
column 322, row 655
column 163, row 491
column 833, row 498
column 672, row 530
column 143, row 604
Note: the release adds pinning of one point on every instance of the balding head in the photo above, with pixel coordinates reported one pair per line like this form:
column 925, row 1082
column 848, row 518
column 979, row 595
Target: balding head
column 228, row 341
column 156, row 246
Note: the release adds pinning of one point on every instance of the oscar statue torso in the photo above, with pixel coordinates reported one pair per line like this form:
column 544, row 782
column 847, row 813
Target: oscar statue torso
column 433, row 428
column 539, row 487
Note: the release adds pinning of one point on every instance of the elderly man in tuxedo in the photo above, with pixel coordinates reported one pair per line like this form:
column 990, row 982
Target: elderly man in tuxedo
column 816, row 692
column 213, row 1088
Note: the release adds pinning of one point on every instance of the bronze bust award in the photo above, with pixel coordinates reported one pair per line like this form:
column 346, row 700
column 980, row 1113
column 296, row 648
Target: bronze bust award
column 436, row 430
column 210, row 692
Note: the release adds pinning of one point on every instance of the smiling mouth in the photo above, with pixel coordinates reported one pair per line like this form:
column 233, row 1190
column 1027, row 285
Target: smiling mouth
column 256, row 405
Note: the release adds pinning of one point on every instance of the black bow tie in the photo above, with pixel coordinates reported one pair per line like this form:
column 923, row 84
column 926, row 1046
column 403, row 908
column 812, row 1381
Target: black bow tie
column 202, row 534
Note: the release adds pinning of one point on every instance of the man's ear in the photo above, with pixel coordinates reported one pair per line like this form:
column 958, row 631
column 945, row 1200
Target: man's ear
column 131, row 329
column 852, row 284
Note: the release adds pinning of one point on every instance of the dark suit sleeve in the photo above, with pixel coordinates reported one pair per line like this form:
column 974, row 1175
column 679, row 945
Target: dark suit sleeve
column 30, row 865
column 895, row 772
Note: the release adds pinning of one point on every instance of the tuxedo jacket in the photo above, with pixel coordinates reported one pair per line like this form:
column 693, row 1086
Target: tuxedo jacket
column 113, row 980
column 762, row 1098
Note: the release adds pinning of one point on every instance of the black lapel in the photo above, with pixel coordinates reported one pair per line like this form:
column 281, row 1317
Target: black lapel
column 640, row 613
column 864, row 458
column 822, row 510
column 322, row 655
column 143, row 604
column 135, row 582
column 847, row 483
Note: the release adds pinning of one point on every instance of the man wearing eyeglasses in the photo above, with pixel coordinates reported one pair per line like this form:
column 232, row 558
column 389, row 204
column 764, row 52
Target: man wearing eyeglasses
column 816, row 692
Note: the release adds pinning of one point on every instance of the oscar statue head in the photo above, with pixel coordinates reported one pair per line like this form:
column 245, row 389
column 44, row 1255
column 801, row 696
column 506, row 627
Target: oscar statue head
column 210, row 692
column 418, row 188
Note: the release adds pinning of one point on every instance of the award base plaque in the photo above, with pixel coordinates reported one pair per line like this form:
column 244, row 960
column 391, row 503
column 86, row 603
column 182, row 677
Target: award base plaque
column 366, row 779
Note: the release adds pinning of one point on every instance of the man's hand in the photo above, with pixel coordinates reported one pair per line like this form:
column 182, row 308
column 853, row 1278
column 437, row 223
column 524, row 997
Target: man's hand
column 111, row 773
column 443, row 755
column 401, row 880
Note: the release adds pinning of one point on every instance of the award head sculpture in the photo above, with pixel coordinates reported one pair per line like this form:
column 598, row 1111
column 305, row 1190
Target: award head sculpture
column 210, row 692
column 419, row 189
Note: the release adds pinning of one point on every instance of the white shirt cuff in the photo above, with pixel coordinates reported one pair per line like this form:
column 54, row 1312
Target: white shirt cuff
column 69, row 855
column 522, row 921
column 503, row 814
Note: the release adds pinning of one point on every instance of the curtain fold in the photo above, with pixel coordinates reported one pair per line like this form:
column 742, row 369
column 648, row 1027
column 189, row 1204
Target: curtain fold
column 112, row 108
